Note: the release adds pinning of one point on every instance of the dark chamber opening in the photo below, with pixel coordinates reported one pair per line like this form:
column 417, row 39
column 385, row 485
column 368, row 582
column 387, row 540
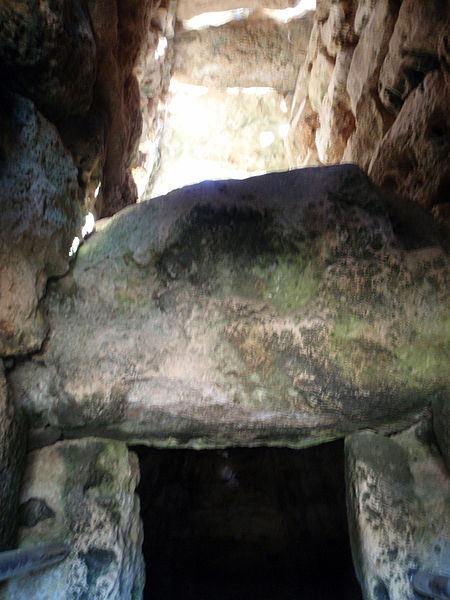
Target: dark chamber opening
column 246, row 524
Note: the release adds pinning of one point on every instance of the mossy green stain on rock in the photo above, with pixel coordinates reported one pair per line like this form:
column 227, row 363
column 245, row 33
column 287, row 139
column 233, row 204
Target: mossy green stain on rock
column 425, row 356
column 289, row 282
column 93, row 468
column 283, row 299
column 413, row 351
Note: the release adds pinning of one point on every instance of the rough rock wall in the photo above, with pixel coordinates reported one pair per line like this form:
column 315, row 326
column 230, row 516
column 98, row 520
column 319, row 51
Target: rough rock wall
column 375, row 90
column 75, row 60
column 39, row 214
column 398, row 503
column 82, row 493
column 70, row 118
column 192, row 8
column 153, row 71
column 257, row 51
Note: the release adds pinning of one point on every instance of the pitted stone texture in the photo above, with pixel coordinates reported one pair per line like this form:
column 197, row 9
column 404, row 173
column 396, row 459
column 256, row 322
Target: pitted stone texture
column 337, row 30
column 82, row 493
column 372, row 122
column 277, row 309
column 322, row 9
column 40, row 213
column 120, row 29
column 370, row 51
column 300, row 142
column 75, row 59
column 12, row 453
column 301, row 85
column 153, row 71
column 398, row 501
column 413, row 49
column 255, row 52
column 362, row 15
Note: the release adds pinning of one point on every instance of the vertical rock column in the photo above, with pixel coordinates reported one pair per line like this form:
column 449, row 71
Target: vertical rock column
column 398, row 501
column 40, row 212
column 321, row 118
column 153, row 71
column 82, row 493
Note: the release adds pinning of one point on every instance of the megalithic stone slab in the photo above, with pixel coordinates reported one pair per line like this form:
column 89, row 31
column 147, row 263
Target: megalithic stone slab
column 398, row 502
column 276, row 310
column 80, row 493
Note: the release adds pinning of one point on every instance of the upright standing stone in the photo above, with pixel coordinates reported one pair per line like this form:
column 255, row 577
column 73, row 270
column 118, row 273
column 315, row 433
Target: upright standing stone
column 82, row 493
column 398, row 500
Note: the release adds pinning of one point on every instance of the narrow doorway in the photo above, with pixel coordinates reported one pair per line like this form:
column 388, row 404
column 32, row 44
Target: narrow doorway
column 246, row 523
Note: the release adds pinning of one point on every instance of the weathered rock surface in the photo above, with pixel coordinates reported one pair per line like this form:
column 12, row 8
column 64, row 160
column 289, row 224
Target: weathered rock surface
column 54, row 42
column 40, row 213
column 400, row 58
column 277, row 309
column 362, row 14
column 153, row 71
column 321, row 103
column 398, row 499
column 82, row 493
column 321, row 71
column 75, row 60
column 371, row 50
column 372, row 119
column 413, row 49
column 413, row 158
column 255, row 52
column 120, row 29
column 337, row 122
column 336, row 30
column 191, row 8
column 12, row 453
column 300, row 143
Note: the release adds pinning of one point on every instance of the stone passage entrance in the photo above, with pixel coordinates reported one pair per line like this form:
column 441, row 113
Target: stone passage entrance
column 253, row 524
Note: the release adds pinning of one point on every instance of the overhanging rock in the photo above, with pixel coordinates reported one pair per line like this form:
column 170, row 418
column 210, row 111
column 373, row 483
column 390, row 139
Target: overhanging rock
column 275, row 310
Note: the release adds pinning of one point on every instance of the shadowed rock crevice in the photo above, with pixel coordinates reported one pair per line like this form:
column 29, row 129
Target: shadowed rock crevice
column 33, row 511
